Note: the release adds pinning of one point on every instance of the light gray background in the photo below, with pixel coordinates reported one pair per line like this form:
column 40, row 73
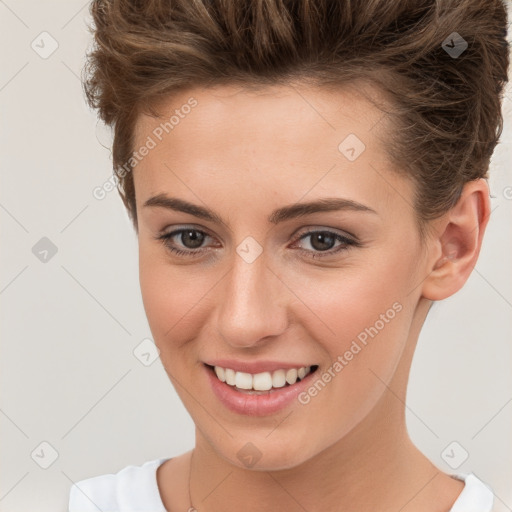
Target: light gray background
column 69, row 326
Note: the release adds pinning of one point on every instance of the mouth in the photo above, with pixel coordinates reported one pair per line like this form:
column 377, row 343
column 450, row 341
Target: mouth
column 263, row 383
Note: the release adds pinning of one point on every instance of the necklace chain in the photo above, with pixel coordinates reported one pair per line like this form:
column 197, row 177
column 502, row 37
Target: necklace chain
column 192, row 508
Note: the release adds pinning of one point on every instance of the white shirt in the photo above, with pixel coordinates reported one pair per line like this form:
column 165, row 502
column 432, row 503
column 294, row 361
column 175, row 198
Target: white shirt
column 135, row 489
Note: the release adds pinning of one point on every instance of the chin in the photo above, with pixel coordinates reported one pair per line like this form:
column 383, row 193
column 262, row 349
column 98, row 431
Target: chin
column 268, row 456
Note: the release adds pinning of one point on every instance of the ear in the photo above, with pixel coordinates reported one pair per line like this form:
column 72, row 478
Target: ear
column 456, row 244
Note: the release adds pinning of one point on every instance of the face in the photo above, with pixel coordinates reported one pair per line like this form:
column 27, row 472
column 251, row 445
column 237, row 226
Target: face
column 249, row 280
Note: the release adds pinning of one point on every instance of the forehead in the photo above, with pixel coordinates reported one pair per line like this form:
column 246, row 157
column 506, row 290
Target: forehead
column 262, row 112
column 278, row 138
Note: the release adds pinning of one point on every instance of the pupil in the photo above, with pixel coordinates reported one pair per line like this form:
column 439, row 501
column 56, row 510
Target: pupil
column 322, row 237
column 192, row 238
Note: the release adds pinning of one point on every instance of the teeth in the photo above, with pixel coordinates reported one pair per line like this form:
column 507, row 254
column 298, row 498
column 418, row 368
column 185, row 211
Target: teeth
column 278, row 379
column 230, row 376
column 261, row 381
column 221, row 374
column 291, row 376
column 243, row 380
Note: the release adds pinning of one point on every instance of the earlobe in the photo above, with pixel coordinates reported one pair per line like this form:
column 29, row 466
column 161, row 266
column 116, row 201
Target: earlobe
column 456, row 247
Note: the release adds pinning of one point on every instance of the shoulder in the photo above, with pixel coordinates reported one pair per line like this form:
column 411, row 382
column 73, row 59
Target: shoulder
column 132, row 489
column 475, row 497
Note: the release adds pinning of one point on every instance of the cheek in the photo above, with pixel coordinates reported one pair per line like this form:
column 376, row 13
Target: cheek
column 362, row 322
column 343, row 302
column 361, row 314
column 173, row 301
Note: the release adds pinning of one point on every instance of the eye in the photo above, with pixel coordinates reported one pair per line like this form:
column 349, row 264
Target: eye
column 190, row 238
column 323, row 241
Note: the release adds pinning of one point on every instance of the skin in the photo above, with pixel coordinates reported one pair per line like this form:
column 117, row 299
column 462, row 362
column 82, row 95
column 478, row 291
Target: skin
column 243, row 154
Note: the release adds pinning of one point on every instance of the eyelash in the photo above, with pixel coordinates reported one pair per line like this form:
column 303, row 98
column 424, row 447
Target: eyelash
column 346, row 243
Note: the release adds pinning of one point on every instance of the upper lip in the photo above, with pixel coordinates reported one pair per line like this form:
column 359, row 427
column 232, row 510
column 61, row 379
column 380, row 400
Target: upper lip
column 254, row 366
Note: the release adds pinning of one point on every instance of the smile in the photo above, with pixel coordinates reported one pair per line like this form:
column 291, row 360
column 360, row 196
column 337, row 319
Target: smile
column 260, row 393
column 264, row 381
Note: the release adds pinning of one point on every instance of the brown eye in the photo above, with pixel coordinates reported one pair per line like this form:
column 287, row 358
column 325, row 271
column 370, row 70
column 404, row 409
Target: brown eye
column 322, row 243
column 192, row 238
column 322, row 240
column 184, row 242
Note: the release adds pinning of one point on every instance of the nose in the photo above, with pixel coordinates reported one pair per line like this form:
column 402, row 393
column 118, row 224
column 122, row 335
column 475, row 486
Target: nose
column 252, row 304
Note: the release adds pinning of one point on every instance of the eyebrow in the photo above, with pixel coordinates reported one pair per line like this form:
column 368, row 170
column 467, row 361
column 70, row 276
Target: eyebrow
column 328, row 204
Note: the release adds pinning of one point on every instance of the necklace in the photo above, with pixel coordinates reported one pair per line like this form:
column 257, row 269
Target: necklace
column 192, row 508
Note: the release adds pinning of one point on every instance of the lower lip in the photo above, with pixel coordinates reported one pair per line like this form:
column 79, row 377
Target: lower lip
column 256, row 405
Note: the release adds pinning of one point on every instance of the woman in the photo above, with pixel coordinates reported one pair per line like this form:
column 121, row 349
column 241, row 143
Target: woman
column 305, row 179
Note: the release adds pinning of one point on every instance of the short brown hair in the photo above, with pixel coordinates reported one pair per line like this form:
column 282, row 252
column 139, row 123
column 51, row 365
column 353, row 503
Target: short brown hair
column 446, row 107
